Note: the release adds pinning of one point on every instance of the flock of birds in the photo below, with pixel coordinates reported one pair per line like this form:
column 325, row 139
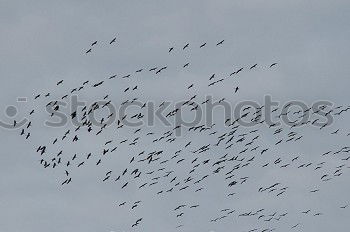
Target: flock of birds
column 95, row 43
column 167, row 165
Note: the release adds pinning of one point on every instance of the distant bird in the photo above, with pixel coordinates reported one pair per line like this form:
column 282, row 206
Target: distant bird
column 219, row 43
column 253, row 66
column 98, row 84
column 113, row 40
column 121, row 204
column 125, row 185
column 335, row 132
column 273, row 64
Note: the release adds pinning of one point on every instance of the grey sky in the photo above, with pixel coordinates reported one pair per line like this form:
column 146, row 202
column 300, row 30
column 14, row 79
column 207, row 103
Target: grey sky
column 43, row 42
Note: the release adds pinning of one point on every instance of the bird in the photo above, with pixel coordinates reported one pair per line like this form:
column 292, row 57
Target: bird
column 253, row 66
column 98, row 84
column 113, row 40
column 219, row 43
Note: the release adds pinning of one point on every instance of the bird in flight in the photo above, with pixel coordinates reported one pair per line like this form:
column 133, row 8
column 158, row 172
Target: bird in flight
column 202, row 45
column 113, row 40
column 273, row 64
column 219, row 43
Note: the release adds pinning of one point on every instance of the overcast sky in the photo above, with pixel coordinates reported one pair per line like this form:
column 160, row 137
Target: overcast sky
column 43, row 42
